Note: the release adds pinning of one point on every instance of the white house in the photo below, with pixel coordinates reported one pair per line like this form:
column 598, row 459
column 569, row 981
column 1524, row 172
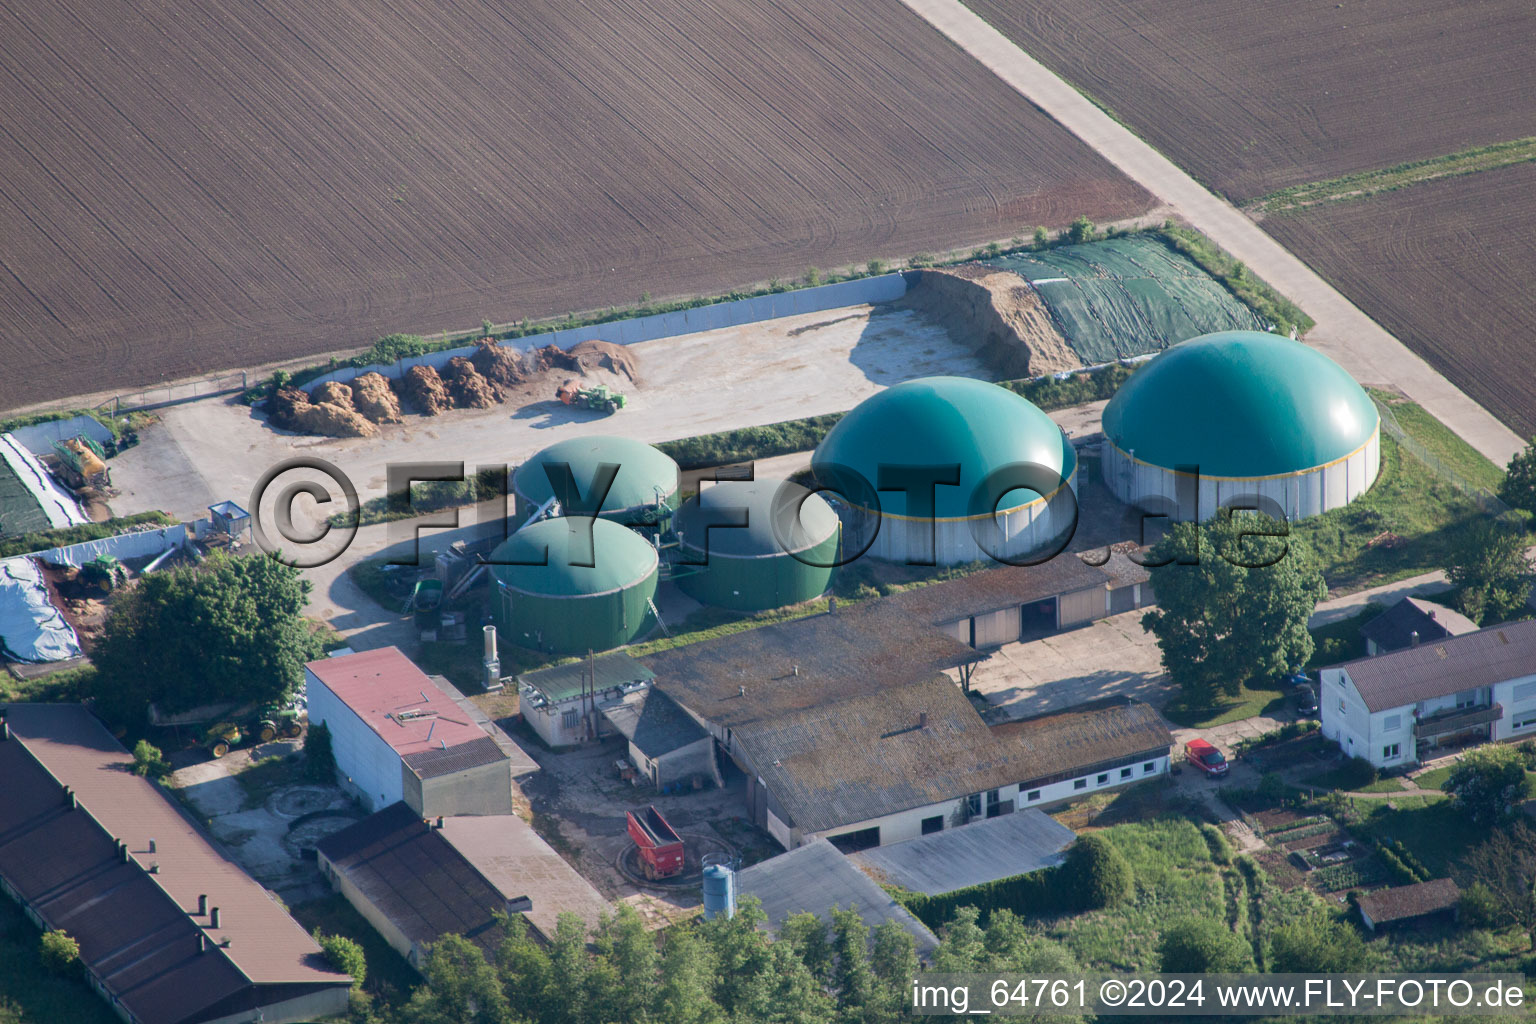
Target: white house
column 1396, row 709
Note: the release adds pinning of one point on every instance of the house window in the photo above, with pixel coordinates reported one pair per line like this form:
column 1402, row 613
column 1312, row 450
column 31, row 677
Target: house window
column 1392, row 723
column 1032, row 796
column 994, row 803
column 1524, row 720
column 569, row 719
column 1102, row 779
column 1125, row 773
column 933, row 824
column 1523, row 691
column 1390, row 751
column 1079, row 783
column 1149, row 768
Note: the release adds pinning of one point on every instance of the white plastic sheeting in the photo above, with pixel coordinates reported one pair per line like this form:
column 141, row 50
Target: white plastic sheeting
column 124, row 545
column 632, row 331
column 31, row 628
column 39, row 437
column 1300, row 495
column 60, row 508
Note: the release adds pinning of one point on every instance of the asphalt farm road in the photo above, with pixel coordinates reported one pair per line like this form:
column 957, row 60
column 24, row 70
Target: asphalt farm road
column 1354, row 340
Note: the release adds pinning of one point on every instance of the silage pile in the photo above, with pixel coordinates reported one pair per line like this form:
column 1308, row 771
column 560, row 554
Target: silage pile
column 423, row 388
column 292, row 409
column 374, row 397
column 467, row 387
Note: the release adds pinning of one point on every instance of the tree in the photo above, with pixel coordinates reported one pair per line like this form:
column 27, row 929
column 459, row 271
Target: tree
column 1488, row 784
column 319, row 758
column 1233, row 602
column 1042, row 237
column 1518, row 488
column 1098, row 873
column 1317, row 945
column 58, row 951
column 621, row 983
column 1203, row 945
column 1082, row 230
column 687, row 976
column 10, row 1013
column 1504, row 867
column 345, row 955
column 461, row 987
column 1491, row 571
column 228, row 631
column 148, row 761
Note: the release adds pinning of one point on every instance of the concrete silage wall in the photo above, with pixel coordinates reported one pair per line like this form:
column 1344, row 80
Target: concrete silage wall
column 1300, row 495
column 39, row 437
column 123, row 546
column 886, row 288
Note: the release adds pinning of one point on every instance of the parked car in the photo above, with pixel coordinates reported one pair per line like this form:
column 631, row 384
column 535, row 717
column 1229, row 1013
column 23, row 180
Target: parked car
column 1206, row 758
column 1304, row 698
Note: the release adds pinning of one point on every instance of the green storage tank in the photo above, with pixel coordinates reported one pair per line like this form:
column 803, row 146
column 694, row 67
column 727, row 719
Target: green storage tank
column 570, row 609
column 644, row 491
column 755, row 567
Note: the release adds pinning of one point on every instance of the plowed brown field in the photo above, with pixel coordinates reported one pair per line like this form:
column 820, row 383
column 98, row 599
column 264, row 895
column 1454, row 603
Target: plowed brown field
column 1254, row 97
column 1445, row 266
column 192, row 186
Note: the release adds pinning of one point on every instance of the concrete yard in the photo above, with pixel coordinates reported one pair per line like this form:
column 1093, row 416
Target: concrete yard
column 692, row 384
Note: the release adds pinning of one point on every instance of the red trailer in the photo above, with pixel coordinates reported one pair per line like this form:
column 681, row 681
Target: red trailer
column 661, row 849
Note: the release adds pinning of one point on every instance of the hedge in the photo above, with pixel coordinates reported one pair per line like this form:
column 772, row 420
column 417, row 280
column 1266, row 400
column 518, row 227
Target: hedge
column 63, row 536
column 1039, row 892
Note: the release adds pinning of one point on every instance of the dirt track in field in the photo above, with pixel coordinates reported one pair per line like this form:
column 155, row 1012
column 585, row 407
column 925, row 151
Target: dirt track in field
column 191, row 187
column 1445, row 266
column 1254, row 97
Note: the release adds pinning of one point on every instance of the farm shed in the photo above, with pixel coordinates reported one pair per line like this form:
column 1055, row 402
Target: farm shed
column 1277, row 422
column 399, row 735
column 814, row 879
column 669, row 747
column 509, row 854
column 957, row 426
column 1013, row 844
column 561, row 703
column 411, row 884
column 1409, row 903
column 170, row 929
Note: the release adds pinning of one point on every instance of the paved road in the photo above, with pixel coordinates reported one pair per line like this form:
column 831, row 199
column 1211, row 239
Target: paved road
column 1346, row 334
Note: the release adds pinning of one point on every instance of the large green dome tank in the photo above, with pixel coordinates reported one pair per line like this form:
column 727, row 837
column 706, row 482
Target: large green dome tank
column 1257, row 414
column 754, row 567
column 644, row 491
column 570, row 608
column 946, row 421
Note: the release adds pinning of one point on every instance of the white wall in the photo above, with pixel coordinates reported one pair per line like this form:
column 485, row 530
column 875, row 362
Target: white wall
column 549, row 721
column 1021, row 531
column 1518, row 697
column 1067, row 789
column 1300, row 495
column 367, row 765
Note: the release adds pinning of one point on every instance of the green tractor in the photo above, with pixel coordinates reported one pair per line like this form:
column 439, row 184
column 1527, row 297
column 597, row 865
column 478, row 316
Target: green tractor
column 277, row 722
column 223, row 737
column 273, row 722
column 598, row 396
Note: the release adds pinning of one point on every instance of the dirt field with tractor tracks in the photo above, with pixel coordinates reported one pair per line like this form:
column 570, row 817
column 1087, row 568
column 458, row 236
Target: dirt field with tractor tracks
column 187, row 189
column 1443, row 266
column 1252, row 98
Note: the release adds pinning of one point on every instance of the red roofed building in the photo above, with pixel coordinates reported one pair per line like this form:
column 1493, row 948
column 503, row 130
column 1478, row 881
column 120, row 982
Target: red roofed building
column 399, row 734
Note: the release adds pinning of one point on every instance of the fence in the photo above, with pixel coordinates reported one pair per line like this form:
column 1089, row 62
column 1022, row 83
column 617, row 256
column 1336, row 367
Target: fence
column 176, row 394
column 1486, row 500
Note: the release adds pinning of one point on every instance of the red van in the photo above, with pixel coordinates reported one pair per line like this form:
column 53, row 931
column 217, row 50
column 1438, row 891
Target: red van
column 1205, row 757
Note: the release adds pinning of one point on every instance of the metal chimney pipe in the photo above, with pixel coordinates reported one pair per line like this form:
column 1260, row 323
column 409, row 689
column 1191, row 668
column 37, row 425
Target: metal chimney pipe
column 490, row 643
column 202, row 904
column 5, row 729
column 213, row 918
column 151, row 846
column 1413, row 639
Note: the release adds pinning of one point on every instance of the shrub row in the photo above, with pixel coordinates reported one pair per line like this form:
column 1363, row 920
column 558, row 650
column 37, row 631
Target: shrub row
column 1307, row 822
column 1401, row 862
column 1039, row 892
column 63, row 536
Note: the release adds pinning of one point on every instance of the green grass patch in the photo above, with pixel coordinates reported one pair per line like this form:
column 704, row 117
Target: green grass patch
column 118, row 425
column 40, row 994
column 1250, row 701
column 1382, row 786
column 1390, row 179
column 1433, row 830
column 66, row 687
column 390, row 978
column 1406, row 524
column 63, row 536
column 1434, row 778
column 1441, row 442
column 709, row 623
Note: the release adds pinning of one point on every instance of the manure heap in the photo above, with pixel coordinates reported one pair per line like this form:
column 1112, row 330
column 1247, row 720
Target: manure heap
column 1127, row 296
